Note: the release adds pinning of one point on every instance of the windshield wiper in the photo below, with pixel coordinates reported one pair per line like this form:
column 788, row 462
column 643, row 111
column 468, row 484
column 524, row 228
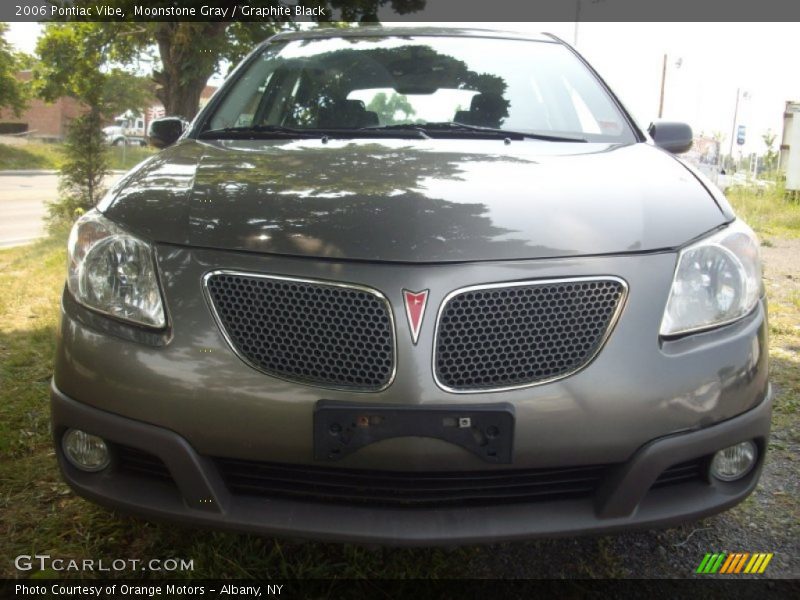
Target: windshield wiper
column 270, row 131
column 259, row 131
column 454, row 127
column 419, row 130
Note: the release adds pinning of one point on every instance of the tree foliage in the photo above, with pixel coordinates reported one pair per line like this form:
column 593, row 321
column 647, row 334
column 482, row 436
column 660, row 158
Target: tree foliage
column 92, row 62
column 72, row 62
column 184, row 55
column 770, row 156
column 81, row 183
column 13, row 93
column 392, row 109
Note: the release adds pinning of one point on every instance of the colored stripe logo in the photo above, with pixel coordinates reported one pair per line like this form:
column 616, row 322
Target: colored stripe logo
column 734, row 563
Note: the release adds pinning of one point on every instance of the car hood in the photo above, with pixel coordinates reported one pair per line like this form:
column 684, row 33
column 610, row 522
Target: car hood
column 415, row 200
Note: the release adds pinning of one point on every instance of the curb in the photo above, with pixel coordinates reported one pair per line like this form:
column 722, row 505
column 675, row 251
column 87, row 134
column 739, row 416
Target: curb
column 26, row 172
column 34, row 172
column 15, row 243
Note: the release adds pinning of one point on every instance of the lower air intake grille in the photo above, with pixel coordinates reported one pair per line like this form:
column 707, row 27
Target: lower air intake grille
column 390, row 488
column 693, row 470
column 138, row 462
column 513, row 335
column 324, row 334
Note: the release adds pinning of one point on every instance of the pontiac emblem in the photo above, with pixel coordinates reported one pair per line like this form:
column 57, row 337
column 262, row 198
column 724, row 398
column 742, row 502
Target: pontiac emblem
column 415, row 311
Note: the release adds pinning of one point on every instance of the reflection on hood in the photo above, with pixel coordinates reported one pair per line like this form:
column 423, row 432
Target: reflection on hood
column 416, row 201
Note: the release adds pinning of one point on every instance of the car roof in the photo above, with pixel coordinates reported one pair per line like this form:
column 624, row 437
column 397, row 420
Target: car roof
column 395, row 31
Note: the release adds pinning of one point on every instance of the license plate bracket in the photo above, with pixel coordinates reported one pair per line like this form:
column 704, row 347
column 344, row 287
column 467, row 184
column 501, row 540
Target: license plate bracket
column 341, row 428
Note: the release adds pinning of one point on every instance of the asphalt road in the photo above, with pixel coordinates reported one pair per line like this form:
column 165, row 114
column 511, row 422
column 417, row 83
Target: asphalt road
column 23, row 205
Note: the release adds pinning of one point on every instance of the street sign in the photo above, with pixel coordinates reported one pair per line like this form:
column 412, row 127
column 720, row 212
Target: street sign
column 740, row 135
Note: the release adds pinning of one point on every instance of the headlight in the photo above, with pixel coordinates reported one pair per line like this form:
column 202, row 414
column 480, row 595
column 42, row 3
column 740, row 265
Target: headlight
column 717, row 280
column 113, row 272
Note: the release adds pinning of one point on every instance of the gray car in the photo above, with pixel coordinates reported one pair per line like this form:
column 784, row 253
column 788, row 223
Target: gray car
column 413, row 286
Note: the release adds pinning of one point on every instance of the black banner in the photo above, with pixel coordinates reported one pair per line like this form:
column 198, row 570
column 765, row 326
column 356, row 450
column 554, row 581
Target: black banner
column 471, row 11
column 416, row 589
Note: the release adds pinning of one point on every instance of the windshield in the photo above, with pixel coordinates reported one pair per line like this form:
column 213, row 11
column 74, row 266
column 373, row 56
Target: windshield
column 353, row 83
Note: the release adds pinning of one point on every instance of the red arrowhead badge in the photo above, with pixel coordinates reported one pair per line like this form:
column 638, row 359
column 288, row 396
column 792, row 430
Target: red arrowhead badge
column 415, row 311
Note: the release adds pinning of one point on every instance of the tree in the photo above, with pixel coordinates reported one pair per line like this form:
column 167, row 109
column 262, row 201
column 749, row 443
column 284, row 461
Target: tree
column 184, row 55
column 13, row 93
column 85, row 60
column 388, row 108
column 72, row 63
column 770, row 155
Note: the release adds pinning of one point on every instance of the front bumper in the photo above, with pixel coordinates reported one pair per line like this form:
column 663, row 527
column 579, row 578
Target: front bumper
column 638, row 388
column 196, row 493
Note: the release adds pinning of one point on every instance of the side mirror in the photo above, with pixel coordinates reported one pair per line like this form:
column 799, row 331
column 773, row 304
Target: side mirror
column 671, row 136
column 166, row 131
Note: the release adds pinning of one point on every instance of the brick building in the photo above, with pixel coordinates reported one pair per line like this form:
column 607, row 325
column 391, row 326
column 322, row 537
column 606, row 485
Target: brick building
column 43, row 120
column 49, row 120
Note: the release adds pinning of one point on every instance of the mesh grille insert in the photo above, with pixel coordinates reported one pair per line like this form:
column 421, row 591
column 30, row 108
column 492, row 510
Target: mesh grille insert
column 511, row 336
column 309, row 332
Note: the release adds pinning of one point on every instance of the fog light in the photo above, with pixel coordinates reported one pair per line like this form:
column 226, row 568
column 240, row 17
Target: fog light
column 734, row 462
column 85, row 451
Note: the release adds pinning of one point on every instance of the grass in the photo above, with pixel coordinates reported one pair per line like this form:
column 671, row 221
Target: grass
column 30, row 156
column 36, row 155
column 769, row 213
column 784, row 331
column 38, row 513
column 123, row 158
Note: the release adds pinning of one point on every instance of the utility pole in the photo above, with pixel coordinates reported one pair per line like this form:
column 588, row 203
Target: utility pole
column 578, row 6
column 678, row 64
column 663, row 82
column 733, row 127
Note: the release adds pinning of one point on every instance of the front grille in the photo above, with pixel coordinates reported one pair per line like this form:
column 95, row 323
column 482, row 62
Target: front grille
column 312, row 332
column 404, row 489
column 513, row 335
column 410, row 489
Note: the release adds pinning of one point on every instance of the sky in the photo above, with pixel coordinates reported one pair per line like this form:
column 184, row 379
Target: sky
column 715, row 60
column 707, row 63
